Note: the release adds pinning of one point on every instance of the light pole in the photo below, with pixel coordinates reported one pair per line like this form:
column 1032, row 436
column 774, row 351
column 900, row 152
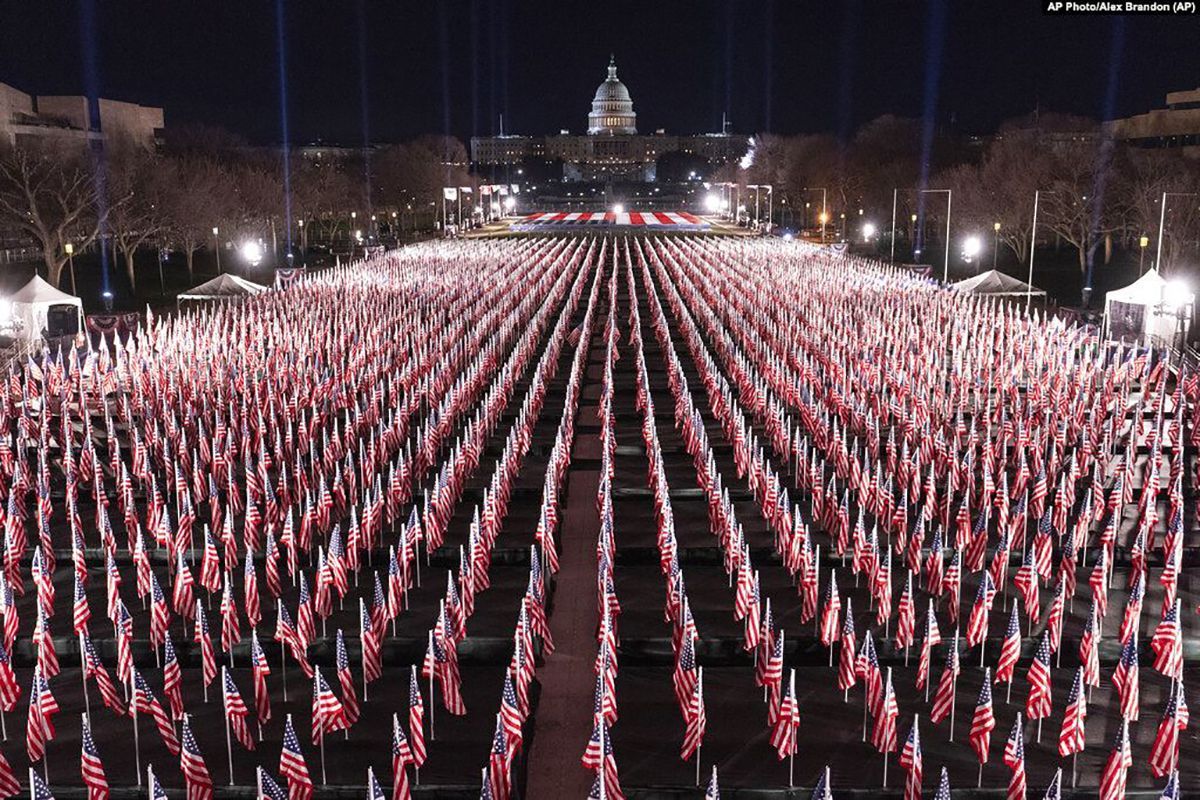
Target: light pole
column 69, row 248
column 995, row 243
column 1162, row 222
column 1037, row 197
column 217, row 247
column 1142, row 242
column 895, row 195
column 949, row 198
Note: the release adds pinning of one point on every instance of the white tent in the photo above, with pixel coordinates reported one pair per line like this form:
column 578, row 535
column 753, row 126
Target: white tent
column 1150, row 307
column 33, row 303
column 996, row 284
column 223, row 287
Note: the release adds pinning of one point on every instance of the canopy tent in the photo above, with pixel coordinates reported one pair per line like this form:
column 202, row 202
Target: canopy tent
column 45, row 312
column 1150, row 307
column 997, row 284
column 223, row 287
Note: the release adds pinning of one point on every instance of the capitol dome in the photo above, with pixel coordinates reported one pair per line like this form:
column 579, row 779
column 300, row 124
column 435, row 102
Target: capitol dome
column 612, row 107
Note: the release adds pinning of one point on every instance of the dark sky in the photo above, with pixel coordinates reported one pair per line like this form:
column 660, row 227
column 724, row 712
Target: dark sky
column 780, row 65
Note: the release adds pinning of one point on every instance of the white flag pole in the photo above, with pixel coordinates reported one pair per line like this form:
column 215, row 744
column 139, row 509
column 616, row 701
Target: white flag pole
column 228, row 739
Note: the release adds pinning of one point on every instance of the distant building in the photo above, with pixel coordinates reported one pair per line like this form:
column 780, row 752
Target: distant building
column 612, row 150
column 1176, row 126
column 24, row 118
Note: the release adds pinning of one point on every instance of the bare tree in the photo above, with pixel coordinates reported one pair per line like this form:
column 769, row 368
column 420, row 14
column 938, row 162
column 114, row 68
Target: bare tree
column 1076, row 205
column 198, row 196
column 1146, row 176
column 136, row 183
column 50, row 193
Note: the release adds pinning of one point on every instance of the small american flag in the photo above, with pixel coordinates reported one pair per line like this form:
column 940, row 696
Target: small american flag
column 38, row 790
column 292, row 765
column 236, row 711
column 191, row 763
column 1014, row 759
column 1116, row 768
column 911, row 762
column 1037, row 706
column 90, row 765
column 983, row 722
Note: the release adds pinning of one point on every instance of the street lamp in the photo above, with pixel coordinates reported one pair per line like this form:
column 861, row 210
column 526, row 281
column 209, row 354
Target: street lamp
column 217, row 247
column 253, row 253
column 69, row 248
column 970, row 248
column 868, row 230
column 618, row 209
column 1142, row 242
column 712, row 203
column 995, row 243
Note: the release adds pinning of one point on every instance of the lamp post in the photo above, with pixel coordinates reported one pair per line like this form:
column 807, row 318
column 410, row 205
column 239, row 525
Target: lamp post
column 1037, row 197
column 217, row 247
column 895, row 195
column 949, row 199
column 69, row 248
column 1142, row 242
column 995, row 243
column 1162, row 223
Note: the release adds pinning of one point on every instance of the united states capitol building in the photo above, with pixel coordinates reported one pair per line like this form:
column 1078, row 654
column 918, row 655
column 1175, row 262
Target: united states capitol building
column 611, row 151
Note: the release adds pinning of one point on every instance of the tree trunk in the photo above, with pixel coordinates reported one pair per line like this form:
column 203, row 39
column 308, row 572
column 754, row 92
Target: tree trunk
column 53, row 266
column 1108, row 249
column 191, row 258
column 129, row 267
column 1083, row 250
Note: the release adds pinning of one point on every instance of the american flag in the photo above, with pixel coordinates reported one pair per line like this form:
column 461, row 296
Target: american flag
column 1171, row 790
column 8, row 779
column 172, row 678
column 236, row 712
column 831, row 612
column 208, row 659
column 1125, row 679
column 499, row 777
column 260, row 669
column 1037, row 705
column 402, row 756
column 1116, row 768
column 1054, row 790
column 292, row 765
column 38, row 790
column 983, row 722
column 978, row 621
column 39, row 728
column 268, row 787
column 328, row 716
column 1164, row 753
column 695, row 719
column 847, row 673
column 1010, row 648
column 1071, row 740
column 416, row 719
column 144, row 702
column 90, row 765
column 823, row 790
column 943, row 790
column 346, row 679
column 1014, row 759
column 883, row 736
column 10, row 690
column 783, row 735
column 911, row 762
column 374, row 790
column 1167, row 644
column 943, row 699
column 191, row 763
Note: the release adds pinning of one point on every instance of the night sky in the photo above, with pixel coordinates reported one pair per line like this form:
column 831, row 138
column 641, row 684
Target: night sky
column 426, row 67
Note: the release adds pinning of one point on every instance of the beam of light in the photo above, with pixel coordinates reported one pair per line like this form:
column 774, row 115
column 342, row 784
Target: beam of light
column 444, row 53
column 91, row 86
column 935, row 39
column 366, row 113
column 284, row 134
column 848, row 58
column 768, row 64
column 1105, row 150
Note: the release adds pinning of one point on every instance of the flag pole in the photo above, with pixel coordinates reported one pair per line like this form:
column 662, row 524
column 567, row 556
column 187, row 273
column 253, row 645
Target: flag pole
column 258, row 780
column 137, row 748
column 979, row 782
column 149, row 779
column 87, row 703
column 432, row 710
column 362, row 639
column 225, row 703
